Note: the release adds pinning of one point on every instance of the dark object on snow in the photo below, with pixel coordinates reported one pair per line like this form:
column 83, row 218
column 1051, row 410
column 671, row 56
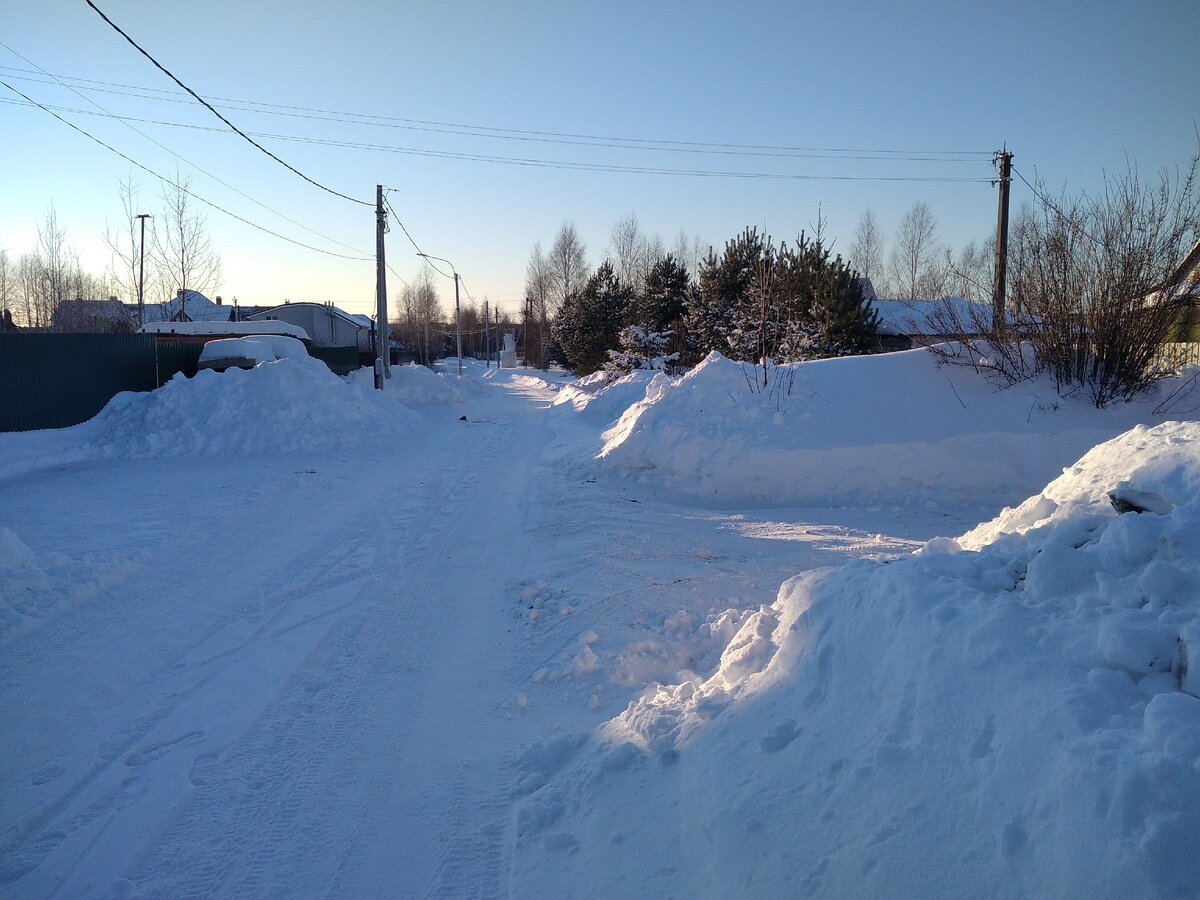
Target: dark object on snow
column 1125, row 499
column 462, row 418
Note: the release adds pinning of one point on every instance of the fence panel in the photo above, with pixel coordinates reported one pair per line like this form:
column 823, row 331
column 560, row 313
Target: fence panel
column 341, row 360
column 58, row 380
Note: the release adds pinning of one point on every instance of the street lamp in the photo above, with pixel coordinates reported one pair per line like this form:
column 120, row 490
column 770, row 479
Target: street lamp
column 457, row 314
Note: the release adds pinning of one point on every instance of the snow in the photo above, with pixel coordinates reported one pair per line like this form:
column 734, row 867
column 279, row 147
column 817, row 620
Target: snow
column 272, row 632
column 273, row 326
column 259, row 349
column 890, row 429
column 917, row 317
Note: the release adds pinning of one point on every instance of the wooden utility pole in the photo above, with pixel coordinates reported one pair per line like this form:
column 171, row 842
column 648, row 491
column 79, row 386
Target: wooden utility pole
column 999, row 317
column 142, row 272
column 457, row 321
column 487, row 336
column 383, row 367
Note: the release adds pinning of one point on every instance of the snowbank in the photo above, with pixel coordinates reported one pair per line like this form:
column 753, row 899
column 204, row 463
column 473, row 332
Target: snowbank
column 288, row 406
column 600, row 400
column 1017, row 719
column 888, row 429
column 413, row 384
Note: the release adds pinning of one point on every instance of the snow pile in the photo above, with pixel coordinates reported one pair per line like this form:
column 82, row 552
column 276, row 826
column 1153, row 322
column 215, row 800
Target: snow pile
column 34, row 587
column 1021, row 718
column 887, row 429
column 413, row 384
column 293, row 405
column 602, row 399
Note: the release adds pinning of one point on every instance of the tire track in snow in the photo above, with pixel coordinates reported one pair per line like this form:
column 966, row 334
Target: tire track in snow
column 106, row 785
column 315, row 796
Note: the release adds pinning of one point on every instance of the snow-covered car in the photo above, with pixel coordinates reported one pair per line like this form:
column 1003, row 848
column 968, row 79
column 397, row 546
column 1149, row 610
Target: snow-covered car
column 247, row 352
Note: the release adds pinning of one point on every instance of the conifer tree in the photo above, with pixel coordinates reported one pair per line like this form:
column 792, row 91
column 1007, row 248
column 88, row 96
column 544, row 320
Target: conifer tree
column 590, row 320
column 720, row 305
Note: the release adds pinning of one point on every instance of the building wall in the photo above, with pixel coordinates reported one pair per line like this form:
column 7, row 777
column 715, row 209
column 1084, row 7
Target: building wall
column 324, row 328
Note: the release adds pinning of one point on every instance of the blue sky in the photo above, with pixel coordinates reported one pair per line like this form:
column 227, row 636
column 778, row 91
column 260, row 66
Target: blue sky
column 1074, row 89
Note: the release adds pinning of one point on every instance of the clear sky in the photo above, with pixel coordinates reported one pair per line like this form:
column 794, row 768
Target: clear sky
column 1074, row 89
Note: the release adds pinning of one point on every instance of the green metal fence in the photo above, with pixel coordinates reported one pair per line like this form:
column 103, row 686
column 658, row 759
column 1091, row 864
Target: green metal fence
column 58, row 380
column 341, row 360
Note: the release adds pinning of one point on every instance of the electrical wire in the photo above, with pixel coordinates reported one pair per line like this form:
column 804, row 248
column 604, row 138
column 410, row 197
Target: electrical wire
column 416, row 247
column 1057, row 209
column 213, row 110
column 305, row 112
column 180, row 187
column 124, row 121
column 526, row 162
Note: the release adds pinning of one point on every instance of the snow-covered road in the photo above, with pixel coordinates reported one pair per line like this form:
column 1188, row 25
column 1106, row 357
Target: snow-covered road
column 319, row 675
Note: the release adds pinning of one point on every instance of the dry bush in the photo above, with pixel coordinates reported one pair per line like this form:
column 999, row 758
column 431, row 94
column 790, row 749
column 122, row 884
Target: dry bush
column 1096, row 289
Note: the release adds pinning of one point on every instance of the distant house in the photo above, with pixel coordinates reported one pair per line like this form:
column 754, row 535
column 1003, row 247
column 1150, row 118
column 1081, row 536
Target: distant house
column 904, row 324
column 185, row 306
column 325, row 324
column 93, row 316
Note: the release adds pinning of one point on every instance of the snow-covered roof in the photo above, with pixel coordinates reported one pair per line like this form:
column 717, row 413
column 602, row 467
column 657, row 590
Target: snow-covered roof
column 272, row 326
column 196, row 307
column 358, row 321
column 929, row 316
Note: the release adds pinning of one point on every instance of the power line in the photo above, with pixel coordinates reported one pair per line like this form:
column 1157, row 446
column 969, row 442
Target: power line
column 213, row 110
column 124, row 121
column 190, row 193
column 471, row 130
column 527, row 162
column 400, row 222
column 1057, row 209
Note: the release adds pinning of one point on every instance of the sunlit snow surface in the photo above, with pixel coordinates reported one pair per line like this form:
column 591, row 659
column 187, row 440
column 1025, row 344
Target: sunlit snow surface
column 272, row 633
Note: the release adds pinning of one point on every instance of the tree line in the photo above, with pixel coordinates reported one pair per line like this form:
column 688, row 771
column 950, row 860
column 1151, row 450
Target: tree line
column 178, row 257
column 645, row 306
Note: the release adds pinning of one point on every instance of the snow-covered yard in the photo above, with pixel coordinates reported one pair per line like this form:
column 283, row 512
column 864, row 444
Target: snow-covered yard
column 272, row 633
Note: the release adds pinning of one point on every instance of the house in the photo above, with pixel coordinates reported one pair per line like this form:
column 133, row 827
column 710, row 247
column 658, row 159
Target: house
column 904, row 324
column 93, row 316
column 325, row 324
column 185, row 306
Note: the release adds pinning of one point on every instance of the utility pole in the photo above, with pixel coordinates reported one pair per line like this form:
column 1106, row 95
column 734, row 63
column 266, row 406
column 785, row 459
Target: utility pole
column 458, row 323
column 999, row 317
column 382, row 357
column 487, row 336
column 142, row 271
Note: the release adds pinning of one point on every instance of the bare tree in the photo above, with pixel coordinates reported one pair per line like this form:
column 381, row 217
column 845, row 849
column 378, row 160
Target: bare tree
column 421, row 315
column 866, row 250
column 969, row 272
column 539, row 285
column 567, row 263
column 1098, row 284
column 7, row 290
column 915, row 255
column 627, row 249
column 29, row 286
column 181, row 243
column 124, row 244
column 55, row 259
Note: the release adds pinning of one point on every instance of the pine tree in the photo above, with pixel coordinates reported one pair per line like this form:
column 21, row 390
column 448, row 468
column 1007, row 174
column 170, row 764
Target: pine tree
column 720, row 307
column 590, row 320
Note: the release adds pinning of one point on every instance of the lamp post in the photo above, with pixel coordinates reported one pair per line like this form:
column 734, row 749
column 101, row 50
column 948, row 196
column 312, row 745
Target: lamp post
column 457, row 313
